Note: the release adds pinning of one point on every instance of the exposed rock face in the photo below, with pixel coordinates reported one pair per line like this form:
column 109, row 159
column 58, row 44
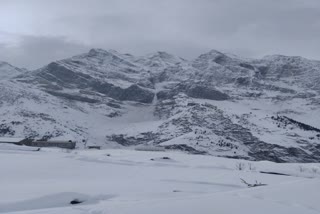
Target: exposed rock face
column 93, row 71
column 205, row 92
column 217, row 104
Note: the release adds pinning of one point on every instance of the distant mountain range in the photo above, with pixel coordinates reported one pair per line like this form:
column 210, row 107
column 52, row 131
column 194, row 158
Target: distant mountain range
column 217, row 104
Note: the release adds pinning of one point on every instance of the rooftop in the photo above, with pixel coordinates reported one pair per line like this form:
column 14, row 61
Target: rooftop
column 10, row 140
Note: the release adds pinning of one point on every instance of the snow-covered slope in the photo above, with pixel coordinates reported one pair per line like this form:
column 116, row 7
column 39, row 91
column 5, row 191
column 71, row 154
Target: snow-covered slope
column 8, row 71
column 132, row 182
column 217, row 104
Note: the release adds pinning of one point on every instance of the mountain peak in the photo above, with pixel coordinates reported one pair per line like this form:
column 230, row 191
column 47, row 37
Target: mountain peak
column 2, row 63
column 101, row 52
column 220, row 54
column 160, row 55
column 279, row 57
column 8, row 71
column 215, row 52
column 165, row 57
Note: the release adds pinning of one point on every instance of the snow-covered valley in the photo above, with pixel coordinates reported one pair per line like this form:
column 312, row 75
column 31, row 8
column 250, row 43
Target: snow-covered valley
column 128, row 181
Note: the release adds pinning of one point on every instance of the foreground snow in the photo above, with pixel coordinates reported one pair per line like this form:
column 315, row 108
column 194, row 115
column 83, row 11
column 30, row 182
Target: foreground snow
column 126, row 181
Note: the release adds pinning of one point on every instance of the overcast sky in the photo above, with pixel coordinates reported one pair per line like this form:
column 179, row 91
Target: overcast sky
column 35, row 32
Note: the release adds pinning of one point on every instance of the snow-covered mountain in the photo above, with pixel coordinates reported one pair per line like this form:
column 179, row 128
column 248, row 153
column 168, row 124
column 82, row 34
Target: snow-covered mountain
column 217, row 104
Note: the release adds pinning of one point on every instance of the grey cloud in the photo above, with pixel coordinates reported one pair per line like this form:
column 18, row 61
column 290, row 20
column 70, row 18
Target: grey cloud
column 33, row 52
column 252, row 28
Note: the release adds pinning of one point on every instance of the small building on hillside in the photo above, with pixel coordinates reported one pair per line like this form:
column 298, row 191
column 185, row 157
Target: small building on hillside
column 39, row 143
column 10, row 140
column 52, row 143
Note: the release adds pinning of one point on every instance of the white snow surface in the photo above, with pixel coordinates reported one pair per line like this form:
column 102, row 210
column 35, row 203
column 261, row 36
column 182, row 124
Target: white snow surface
column 125, row 181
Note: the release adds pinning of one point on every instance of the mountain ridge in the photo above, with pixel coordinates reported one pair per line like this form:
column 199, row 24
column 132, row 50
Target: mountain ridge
column 216, row 104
